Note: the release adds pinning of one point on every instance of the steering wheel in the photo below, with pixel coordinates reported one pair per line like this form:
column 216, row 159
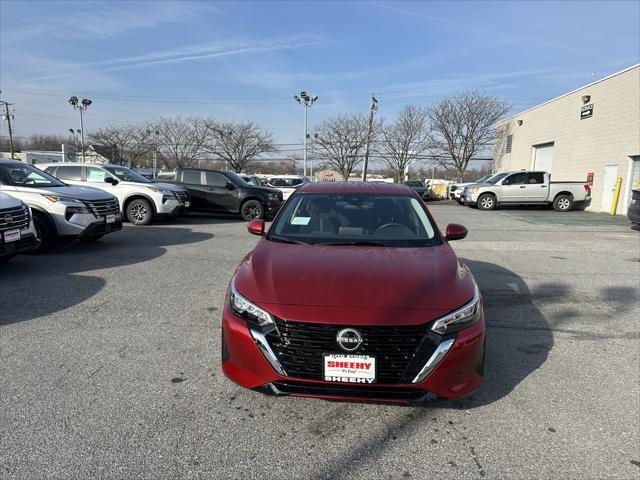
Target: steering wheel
column 390, row 225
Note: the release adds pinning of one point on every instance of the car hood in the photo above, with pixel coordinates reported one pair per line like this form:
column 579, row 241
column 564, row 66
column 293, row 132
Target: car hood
column 263, row 190
column 354, row 277
column 77, row 192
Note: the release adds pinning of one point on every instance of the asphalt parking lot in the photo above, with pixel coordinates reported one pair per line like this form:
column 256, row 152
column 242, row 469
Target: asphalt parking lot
column 109, row 364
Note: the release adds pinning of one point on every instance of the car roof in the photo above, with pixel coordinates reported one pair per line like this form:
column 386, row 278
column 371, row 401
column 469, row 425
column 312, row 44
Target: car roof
column 356, row 187
column 77, row 164
column 9, row 161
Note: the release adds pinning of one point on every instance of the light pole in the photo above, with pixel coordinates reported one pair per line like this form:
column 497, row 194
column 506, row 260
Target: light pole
column 156, row 133
column 306, row 101
column 313, row 143
column 82, row 106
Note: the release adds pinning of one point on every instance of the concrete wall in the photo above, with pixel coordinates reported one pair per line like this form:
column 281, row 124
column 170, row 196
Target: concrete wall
column 609, row 137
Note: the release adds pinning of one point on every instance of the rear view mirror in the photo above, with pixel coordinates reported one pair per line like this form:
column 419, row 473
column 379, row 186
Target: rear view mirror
column 256, row 227
column 455, row 232
column 111, row 180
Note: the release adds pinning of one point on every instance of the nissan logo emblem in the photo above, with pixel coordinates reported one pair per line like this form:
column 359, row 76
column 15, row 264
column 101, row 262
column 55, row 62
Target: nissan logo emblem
column 7, row 218
column 349, row 339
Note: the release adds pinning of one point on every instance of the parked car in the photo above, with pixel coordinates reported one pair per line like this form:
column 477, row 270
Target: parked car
column 418, row 186
column 385, row 310
column 633, row 212
column 528, row 188
column 17, row 233
column 142, row 200
column 220, row 191
column 251, row 179
column 456, row 190
column 287, row 184
column 60, row 210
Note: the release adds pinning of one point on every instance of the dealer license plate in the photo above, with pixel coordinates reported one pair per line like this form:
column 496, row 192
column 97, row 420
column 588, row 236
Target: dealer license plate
column 12, row 235
column 349, row 368
column 111, row 218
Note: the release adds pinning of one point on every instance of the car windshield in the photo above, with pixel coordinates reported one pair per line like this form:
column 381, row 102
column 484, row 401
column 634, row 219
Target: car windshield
column 355, row 219
column 496, row 178
column 483, row 179
column 24, row 175
column 252, row 180
column 127, row 175
column 237, row 179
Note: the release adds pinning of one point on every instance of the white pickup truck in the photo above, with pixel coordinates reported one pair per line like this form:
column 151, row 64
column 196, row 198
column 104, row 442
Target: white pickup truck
column 528, row 188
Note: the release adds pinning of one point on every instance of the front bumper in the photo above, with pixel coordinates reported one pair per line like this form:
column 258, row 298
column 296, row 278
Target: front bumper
column 471, row 197
column 26, row 243
column 247, row 362
column 171, row 207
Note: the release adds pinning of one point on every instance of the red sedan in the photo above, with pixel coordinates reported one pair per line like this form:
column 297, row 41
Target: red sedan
column 354, row 294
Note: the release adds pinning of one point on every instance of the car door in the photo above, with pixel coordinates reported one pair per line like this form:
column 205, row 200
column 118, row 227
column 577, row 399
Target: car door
column 70, row 174
column 513, row 188
column 193, row 180
column 219, row 192
column 96, row 177
column 535, row 187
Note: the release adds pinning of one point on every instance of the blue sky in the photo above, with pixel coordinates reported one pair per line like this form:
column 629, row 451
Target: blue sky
column 246, row 60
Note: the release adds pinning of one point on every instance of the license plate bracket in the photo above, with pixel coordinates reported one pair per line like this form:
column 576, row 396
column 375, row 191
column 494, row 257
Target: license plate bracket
column 11, row 235
column 345, row 368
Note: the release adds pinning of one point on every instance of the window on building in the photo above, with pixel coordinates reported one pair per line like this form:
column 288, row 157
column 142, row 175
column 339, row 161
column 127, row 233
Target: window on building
column 69, row 173
column 509, row 143
column 191, row 177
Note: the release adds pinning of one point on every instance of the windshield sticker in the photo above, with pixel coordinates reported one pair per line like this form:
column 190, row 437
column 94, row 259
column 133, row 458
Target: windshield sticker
column 300, row 220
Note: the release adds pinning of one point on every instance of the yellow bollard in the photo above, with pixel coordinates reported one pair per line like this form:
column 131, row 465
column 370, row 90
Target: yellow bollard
column 616, row 194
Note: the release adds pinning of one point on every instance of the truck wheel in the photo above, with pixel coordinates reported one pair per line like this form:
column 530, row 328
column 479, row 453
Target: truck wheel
column 563, row 203
column 486, row 201
column 251, row 210
column 139, row 212
column 44, row 232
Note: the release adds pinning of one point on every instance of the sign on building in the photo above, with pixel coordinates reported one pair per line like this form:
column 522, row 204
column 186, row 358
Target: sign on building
column 586, row 111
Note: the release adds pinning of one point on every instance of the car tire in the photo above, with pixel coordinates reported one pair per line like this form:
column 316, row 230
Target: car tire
column 251, row 210
column 45, row 233
column 563, row 203
column 139, row 212
column 486, row 201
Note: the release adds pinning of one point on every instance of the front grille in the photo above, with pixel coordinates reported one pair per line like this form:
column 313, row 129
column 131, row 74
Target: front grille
column 182, row 196
column 102, row 208
column 367, row 392
column 12, row 218
column 400, row 351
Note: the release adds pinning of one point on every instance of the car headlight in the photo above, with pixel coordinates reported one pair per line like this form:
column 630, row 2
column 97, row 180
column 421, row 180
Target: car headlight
column 244, row 307
column 475, row 189
column 71, row 211
column 58, row 198
column 461, row 318
column 162, row 191
column 273, row 196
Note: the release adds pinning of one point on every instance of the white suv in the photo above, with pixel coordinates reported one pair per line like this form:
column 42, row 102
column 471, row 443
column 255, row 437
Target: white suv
column 287, row 184
column 141, row 199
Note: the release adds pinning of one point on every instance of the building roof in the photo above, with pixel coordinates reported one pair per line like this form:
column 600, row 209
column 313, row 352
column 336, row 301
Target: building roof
column 356, row 187
column 637, row 65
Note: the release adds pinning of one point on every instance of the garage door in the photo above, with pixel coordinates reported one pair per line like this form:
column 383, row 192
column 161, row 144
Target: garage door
column 543, row 157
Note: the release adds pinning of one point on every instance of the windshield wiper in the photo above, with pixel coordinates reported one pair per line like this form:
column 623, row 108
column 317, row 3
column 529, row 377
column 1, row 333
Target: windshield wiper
column 277, row 238
column 358, row 243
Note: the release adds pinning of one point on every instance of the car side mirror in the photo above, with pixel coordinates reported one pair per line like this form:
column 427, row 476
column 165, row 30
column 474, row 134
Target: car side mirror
column 455, row 232
column 256, row 227
column 229, row 186
column 111, row 180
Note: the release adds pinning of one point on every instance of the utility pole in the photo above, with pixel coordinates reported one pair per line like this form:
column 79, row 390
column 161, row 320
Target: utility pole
column 313, row 142
column 306, row 101
column 82, row 106
column 8, row 117
column 372, row 111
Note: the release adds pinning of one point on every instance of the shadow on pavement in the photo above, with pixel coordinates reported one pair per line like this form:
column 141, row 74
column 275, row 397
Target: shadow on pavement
column 35, row 285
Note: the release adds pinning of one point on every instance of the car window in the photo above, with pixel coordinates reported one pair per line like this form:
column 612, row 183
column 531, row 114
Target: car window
column 95, row 174
column 390, row 220
column 215, row 179
column 127, row 175
column 286, row 182
column 535, row 177
column 496, row 178
column 69, row 173
column 27, row 176
column 192, row 177
column 515, row 179
column 51, row 171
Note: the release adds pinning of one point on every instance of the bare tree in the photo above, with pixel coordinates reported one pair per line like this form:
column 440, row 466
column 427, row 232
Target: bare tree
column 462, row 126
column 341, row 140
column 128, row 142
column 180, row 140
column 45, row 142
column 405, row 139
column 238, row 143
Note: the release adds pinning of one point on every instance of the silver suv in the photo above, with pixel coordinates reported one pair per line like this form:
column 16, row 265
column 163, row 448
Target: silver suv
column 141, row 199
column 17, row 233
column 58, row 209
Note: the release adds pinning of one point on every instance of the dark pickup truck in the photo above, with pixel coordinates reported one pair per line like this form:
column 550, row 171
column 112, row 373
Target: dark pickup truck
column 633, row 213
column 221, row 191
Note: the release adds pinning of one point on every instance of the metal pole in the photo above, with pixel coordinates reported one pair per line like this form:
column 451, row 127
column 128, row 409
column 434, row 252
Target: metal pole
column 82, row 134
column 154, row 161
column 6, row 109
column 312, row 145
column 305, row 140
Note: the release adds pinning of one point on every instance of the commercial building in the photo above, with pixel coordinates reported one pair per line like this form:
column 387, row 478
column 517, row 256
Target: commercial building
column 590, row 134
